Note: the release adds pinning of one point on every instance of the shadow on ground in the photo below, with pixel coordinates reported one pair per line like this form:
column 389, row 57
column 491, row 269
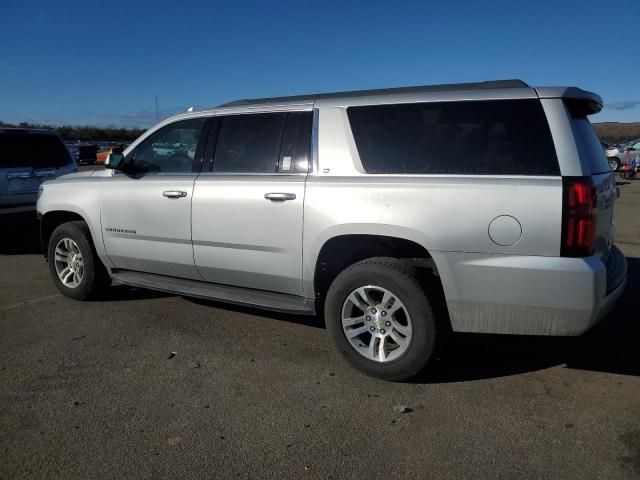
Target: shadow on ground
column 20, row 234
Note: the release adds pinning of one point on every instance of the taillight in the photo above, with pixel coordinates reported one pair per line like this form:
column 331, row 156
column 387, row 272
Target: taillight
column 578, row 217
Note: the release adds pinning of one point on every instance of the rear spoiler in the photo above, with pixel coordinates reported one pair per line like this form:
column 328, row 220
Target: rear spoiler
column 580, row 102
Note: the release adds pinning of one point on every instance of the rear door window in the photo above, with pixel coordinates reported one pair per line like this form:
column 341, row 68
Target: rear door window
column 249, row 143
column 496, row 137
column 35, row 150
column 263, row 143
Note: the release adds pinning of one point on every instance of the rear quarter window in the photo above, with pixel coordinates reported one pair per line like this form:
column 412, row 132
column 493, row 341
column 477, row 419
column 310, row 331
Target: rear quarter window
column 501, row 137
column 590, row 149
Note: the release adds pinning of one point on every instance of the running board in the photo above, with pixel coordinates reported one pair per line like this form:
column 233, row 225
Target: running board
column 278, row 302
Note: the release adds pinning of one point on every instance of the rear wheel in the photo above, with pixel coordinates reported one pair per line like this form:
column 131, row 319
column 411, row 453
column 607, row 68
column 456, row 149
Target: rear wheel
column 380, row 318
column 74, row 265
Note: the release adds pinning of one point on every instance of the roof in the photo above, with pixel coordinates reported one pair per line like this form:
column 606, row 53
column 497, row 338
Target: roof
column 495, row 84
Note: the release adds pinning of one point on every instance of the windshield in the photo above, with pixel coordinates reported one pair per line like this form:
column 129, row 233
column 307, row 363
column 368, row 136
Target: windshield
column 32, row 150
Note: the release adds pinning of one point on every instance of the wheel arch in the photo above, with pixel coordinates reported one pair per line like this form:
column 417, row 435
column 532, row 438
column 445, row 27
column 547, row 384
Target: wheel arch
column 340, row 251
column 53, row 219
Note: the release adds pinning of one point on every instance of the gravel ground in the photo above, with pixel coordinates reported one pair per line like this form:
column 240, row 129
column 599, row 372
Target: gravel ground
column 92, row 390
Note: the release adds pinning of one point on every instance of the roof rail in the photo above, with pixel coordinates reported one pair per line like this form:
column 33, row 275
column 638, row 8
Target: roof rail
column 382, row 91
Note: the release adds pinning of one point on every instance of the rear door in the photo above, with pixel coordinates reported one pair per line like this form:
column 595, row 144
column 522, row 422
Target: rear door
column 146, row 216
column 247, row 211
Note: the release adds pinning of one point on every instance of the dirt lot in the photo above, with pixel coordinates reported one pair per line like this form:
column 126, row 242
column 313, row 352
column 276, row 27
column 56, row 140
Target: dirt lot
column 88, row 390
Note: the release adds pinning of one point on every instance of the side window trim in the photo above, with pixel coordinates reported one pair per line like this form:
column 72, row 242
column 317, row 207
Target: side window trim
column 212, row 141
column 203, row 140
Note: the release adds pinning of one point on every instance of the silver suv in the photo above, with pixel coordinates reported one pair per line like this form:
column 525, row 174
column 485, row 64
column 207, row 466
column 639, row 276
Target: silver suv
column 28, row 157
column 494, row 200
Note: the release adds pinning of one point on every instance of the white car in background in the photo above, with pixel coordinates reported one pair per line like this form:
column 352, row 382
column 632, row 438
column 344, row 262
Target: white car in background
column 622, row 154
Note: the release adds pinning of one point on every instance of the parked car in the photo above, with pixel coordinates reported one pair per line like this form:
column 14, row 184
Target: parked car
column 102, row 155
column 621, row 155
column 86, row 154
column 493, row 200
column 27, row 158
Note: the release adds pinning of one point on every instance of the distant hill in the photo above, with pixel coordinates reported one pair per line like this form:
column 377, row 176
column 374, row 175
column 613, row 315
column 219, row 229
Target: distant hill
column 614, row 132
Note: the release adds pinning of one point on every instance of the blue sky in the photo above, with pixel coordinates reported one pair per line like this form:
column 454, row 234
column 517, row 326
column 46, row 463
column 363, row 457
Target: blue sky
column 103, row 63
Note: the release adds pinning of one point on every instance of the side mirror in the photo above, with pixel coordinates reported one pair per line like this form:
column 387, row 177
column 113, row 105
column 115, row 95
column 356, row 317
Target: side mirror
column 114, row 161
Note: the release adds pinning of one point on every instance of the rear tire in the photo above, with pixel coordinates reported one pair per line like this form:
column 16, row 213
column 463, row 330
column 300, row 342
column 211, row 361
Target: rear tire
column 380, row 319
column 73, row 262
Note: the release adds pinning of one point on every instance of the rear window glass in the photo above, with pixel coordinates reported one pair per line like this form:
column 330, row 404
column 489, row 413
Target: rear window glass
column 501, row 137
column 249, row 143
column 589, row 146
column 32, row 150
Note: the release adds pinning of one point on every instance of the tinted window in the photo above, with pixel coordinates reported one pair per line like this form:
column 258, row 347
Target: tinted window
column 508, row 137
column 296, row 143
column 249, row 143
column 21, row 149
column 171, row 149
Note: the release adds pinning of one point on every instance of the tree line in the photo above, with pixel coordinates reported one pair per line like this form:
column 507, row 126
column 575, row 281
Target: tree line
column 85, row 133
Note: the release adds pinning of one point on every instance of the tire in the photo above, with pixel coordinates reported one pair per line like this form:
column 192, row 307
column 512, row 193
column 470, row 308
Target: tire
column 74, row 244
column 614, row 164
column 414, row 314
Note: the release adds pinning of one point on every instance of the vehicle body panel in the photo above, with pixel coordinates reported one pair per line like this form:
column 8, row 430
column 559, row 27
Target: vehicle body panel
column 241, row 238
column 439, row 212
column 144, row 230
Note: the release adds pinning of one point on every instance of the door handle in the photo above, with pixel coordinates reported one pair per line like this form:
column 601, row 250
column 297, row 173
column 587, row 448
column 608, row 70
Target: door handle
column 280, row 197
column 174, row 194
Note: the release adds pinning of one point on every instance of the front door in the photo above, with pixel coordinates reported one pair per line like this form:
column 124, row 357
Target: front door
column 146, row 212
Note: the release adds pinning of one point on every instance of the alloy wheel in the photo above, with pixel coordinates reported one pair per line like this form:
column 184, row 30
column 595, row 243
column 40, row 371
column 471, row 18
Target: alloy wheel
column 376, row 323
column 69, row 263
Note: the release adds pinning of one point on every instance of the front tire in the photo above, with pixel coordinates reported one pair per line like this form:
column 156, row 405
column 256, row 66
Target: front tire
column 74, row 265
column 614, row 164
column 380, row 319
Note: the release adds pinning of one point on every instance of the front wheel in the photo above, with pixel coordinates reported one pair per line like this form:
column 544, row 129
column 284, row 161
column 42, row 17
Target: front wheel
column 614, row 164
column 380, row 318
column 74, row 265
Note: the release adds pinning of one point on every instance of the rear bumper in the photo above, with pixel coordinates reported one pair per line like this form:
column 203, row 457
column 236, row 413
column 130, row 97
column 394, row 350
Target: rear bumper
column 525, row 295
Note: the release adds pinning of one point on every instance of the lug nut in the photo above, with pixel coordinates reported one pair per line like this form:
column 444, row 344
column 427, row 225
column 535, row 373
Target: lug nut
column 373, row 329
column 388, row 324
column 384, row 314
column 373, row 310
column 368, row 318
column 383, row 331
